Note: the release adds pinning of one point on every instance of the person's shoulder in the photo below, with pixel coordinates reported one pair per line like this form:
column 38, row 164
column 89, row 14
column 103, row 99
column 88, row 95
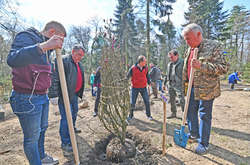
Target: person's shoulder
column 67, row 58
column 133, row 66
column 30, row 33
column 180, row 60
column 211, row 43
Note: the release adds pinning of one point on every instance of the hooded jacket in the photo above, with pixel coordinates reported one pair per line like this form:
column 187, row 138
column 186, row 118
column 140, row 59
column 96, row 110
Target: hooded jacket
column 30, row 66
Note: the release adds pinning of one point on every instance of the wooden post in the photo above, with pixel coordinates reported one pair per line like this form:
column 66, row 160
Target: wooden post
column 164, row 101
column 67, row 104
column 164, row 129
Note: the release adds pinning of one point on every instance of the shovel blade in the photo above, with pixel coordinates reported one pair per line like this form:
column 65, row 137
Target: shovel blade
column 180, row 137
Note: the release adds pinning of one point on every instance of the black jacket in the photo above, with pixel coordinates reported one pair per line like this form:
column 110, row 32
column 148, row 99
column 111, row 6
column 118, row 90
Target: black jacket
column 70, row 70
column 97, row 80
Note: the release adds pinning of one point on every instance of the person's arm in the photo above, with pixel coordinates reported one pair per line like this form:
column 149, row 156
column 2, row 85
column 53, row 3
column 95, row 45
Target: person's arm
column 55, row 82
column 165, row 81
column 237, row 78
column 83, row 79
column 130, row 73
column 216, row 64
column 148, row 78
column 23, row 51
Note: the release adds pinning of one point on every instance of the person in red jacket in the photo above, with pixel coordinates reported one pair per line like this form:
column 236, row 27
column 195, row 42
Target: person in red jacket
column 139, row 78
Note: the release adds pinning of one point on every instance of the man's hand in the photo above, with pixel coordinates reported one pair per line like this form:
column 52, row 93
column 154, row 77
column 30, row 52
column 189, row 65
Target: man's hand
column 55, row 42
column 196, row 64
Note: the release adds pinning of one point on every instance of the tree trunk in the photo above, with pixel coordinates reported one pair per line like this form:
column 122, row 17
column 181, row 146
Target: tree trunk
column 242, row 46
column 148, row 33
column 236, row 46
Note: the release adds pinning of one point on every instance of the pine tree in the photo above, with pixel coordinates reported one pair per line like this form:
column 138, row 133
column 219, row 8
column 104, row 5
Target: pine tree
column 125, row 28
column 209, row 15
column 166, row 28
column 237, row 28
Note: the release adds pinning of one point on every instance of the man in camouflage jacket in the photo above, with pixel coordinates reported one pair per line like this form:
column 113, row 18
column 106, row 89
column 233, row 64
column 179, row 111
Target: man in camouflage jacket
column 209, row 65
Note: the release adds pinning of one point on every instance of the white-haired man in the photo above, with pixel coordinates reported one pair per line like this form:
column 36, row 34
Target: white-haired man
column 209, row 65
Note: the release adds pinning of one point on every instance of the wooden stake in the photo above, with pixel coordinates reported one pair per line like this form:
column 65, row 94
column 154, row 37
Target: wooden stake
column 67, row 104
column 164, row 128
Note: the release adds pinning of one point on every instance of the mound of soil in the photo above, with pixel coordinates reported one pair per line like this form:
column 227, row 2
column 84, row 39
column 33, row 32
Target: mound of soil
column 137, row 150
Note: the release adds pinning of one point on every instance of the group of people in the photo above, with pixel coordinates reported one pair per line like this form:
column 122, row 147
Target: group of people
column 34, row 78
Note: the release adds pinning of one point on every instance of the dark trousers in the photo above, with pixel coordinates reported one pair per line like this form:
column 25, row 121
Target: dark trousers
column 133, row 98
column 97, row 100
column 63, row 130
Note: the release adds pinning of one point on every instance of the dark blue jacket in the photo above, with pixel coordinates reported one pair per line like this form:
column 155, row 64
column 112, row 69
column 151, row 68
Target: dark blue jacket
column 30, row 67
column 97, row 80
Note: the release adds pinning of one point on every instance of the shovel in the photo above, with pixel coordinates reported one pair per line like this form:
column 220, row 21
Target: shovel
column 180, row 137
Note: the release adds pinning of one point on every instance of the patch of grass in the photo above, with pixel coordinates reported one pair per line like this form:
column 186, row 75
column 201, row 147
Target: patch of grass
column 168, row 145
column 243, row 163
column 212, row 132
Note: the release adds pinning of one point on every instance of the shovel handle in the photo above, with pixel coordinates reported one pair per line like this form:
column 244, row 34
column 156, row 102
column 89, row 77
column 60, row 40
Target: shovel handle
column 190, row 83
column 67, row 104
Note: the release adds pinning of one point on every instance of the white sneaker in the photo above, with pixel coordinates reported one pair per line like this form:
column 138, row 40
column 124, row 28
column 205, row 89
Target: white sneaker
column 48, row 160
column 150, row 118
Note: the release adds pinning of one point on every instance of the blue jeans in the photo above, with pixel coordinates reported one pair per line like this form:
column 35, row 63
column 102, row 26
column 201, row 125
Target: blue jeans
column 133, row 98
column 204, row 107
column 32, row 113
column 64, row 131
column 92, row 90
column 159, row 85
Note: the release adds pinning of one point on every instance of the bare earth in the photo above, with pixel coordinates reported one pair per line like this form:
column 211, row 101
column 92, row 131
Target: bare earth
column 229, row 141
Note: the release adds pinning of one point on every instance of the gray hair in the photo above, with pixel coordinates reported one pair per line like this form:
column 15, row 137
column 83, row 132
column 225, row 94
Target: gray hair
column 141, row 58
column 191, row 27
column 78, row 47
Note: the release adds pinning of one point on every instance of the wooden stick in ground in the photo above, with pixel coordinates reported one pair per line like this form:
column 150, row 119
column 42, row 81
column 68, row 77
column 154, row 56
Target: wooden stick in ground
column 164, row 101
column 164, row 129
column 67, row 105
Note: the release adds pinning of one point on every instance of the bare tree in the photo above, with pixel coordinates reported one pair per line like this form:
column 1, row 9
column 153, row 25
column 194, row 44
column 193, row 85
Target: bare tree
column 81, row 35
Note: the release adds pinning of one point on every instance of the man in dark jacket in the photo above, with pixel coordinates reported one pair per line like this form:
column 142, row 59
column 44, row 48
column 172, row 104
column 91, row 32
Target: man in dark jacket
column 74, row 75
column 29, row 60
column 174, row 81
column 140, row 79
column 155, row 75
